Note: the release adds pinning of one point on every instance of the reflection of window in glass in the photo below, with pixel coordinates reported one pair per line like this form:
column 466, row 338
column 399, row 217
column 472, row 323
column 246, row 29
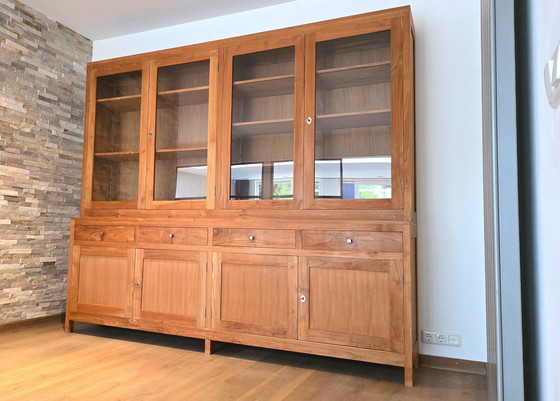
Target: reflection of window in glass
column 262, row 180
column 282, row 180
column 191, row 183
column 353, row 178
column 327, row 175
column 246, row 181
column 374, row 191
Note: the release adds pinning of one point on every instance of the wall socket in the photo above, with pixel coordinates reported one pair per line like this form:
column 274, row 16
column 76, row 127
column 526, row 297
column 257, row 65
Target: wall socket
column 441, row 338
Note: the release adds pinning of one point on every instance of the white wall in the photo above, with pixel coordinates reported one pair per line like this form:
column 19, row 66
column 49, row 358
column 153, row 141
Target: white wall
column 545, row 35
column 451, row 289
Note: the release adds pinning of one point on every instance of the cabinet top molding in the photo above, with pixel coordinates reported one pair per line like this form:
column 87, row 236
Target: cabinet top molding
column 371, row 18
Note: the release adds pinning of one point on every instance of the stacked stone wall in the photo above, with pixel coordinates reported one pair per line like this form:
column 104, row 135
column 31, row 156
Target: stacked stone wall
column 42, row 98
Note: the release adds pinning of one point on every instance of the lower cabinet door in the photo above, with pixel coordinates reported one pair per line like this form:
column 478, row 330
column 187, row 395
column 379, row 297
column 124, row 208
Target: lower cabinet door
column 255, row 294
column 353, row 302
column 172, row 286
column 101, row 281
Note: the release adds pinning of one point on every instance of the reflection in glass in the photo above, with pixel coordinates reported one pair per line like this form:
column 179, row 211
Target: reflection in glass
column 191, row 182
column 117, row 137
column 182, row 132
column 353, row 130
column 262, row 140
column 353, row 178
column 262, row 181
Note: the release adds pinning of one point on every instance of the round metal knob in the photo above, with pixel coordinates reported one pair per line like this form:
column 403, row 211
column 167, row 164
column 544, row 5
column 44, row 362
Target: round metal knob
column 137, row 283
column 309, row 120
column 170, row 235
column 251, row 237
column 302, row 298
column 349, row 240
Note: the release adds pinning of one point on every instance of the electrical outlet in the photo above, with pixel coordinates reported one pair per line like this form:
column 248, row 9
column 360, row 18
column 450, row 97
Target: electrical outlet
column 441, row 338
column 428, row 337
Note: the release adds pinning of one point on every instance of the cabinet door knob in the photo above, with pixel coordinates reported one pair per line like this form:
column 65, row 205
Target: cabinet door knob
column 137, row 283
column 170, row 235
column 349, row 240
column 309, row 120
column 302, row 298
column 251, row 237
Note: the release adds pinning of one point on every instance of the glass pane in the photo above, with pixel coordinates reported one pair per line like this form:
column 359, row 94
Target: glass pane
column 353, row 117
column 117, row 135
column 262, row 140
column 182, row 132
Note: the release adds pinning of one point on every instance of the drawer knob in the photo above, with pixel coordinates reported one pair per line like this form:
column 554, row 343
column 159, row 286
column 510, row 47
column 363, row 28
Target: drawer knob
column 170, row 235
column 101, row 233
column 302, row 298
column 349, row 240
column 251, row 237
column 137, row 283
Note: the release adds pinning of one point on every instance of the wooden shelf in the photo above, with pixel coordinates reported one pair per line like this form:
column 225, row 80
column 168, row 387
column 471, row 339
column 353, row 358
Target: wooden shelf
column 268, row 127
column 270, row 86
column 356, row 75
column 118, row 156
column 120, row 104
column 168, row 154
column 181, row 150
column 183, row 97
column 354, row 120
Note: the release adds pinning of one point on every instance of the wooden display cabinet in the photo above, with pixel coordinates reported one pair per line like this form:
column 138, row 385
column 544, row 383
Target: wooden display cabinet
column 257, row 190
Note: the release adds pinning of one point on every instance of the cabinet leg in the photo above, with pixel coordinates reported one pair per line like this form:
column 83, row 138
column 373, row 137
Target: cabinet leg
column 208, row 347
column 68, row 325
column 408, row 376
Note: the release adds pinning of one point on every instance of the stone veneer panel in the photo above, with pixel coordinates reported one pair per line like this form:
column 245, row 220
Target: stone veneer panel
column 42, row 99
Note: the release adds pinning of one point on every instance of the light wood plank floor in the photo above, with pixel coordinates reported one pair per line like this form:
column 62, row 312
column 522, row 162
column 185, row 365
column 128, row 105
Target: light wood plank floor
column 103, row 363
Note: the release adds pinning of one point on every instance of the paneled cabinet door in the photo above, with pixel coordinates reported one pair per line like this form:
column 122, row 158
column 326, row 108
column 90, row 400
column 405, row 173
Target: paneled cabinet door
column 171, row 286
column 101, row 281
column 255, row 294
column 353, row 302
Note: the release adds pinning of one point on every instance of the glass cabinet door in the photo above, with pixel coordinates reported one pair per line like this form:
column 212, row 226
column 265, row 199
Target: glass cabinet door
column 263, row 127
column 181, row 132
column 354, row 137
column 116, row 137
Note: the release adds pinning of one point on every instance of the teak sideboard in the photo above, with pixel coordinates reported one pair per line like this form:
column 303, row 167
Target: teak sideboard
column 256, row 190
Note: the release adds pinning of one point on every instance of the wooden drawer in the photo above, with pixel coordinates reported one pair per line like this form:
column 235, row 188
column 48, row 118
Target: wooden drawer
column 255, row 238
column 173, row 235
column 375, row 241
column 104, row 233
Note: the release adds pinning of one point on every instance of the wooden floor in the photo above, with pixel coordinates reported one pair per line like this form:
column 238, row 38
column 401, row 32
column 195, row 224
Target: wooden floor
column 103, row 363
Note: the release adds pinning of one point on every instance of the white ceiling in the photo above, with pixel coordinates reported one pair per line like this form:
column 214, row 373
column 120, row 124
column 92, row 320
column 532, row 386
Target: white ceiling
column 102, row 19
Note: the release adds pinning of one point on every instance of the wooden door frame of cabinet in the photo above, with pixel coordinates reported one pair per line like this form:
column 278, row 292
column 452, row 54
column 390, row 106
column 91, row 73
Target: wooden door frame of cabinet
column 248, row 328
column 93, row 73
column 399, row 120
column 77, row 252
column 141, row 255
column 269, row 41
column 213, row 121
column 394, row 270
